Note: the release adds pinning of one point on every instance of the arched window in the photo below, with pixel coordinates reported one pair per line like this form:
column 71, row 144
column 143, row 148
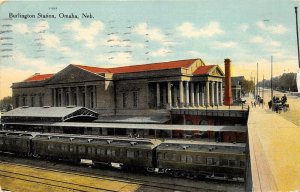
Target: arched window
column 188, row 122
column 203, row 122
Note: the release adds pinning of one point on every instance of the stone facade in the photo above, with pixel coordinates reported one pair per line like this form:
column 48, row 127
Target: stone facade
column 126, row 91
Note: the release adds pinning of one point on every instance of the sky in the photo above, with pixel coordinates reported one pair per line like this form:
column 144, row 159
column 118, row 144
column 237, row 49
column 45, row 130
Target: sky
column 118, row 33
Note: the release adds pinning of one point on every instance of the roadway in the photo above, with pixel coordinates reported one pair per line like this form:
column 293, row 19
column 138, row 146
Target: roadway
column 275, row 146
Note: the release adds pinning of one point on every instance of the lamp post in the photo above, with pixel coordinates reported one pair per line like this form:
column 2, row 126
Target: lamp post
column 298, row 73
column 271, row 77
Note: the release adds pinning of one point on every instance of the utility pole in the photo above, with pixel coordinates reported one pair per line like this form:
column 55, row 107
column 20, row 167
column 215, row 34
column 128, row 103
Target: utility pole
column 257, row 79
column 271, row 77
column 298, row 73
column 263, row 90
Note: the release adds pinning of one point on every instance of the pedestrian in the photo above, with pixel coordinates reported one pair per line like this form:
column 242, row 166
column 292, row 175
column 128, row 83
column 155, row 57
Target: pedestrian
column 252, row 104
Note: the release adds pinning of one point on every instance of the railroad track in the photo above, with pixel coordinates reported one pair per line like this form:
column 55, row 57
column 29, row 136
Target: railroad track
column 159, row 186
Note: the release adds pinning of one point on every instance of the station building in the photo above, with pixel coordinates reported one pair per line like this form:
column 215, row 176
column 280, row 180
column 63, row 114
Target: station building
column 146, row 89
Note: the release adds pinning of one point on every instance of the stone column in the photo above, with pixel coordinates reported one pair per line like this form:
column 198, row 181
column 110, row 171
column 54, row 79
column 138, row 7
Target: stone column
column 169, row 94
column 157, row 95
column 78, row 96
column 175, row 95
column 181, row 93
column 70, row 96
column 192, row 94
column 86, row 97
column 187, row 96
column 62, row 97
column 95, row 96
column 207, row 93
column 212, row 93
column 202, row 95
column 54, row 97
column 221, row 93
column 164, row 94
column 217, row 94
column 197, row 94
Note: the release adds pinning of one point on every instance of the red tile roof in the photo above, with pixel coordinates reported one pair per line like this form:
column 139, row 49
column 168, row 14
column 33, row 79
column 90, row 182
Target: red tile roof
column 153, row 66
column 203, row 70
column 38, row 77
column 93, row 69
column 140, row 68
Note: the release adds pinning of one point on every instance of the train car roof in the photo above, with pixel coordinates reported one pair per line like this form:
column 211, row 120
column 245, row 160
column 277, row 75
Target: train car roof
column 102, row 140
column 203, row 146
column 215, row 128
column 18, row 133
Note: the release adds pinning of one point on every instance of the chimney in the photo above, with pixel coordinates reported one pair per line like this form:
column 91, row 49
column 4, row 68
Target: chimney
column 227, row 91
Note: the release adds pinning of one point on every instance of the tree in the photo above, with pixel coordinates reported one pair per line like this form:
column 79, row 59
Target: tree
column 6, row 103
column 248, row 86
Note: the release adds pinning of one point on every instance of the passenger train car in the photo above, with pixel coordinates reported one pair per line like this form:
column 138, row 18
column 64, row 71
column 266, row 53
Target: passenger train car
column 175, row 157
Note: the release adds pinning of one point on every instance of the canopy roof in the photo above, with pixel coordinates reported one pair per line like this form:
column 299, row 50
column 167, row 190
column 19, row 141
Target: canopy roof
column 51, row 114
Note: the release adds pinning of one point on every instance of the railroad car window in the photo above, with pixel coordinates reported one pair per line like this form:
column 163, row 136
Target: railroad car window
column 72, row 148
column 149, row 155
column 50, row 146
column 64, row 148
column 81, row 149
column 242, row 163
column 98, row 151
column 91, row 150
column 183, row 158
column 1, row 141
column 113, row 153
column 232, row 163
column 160, row 156
column 103, row 152
column 189, row 159
column 130, row 154
column 224, row 162
column 108, row 152
column 174, row 157
column 140, row 154
column 200, row 159
column 6, row 141
column 211, row 161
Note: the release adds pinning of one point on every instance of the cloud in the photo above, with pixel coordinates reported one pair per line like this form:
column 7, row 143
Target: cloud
column 21, row 28
column 274, row 29
column 115, row 59
column 51, row 41
column 244, row 27
column 257, row 39
column 86, row 34
column 194, row 53
column 153, row 33
column 188, row 30
column 160, row 52
column 224, row 45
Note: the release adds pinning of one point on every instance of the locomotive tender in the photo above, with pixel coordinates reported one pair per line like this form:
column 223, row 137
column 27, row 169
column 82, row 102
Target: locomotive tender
column 175, row 157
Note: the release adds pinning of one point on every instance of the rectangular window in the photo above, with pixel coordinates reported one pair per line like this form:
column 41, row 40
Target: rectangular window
column 1, row 142
column 41, row 101
column 189, row 159
column 232, row 163
column 183, row 158
column 32, row 101
column 242, row 163
column 103, row 152
column 224, row 162
column 135, row 99
column 17, row 101
column 81, row 149
column 174, row 157
column 72, row 148
column 149, row 155
column 98, row 151
column 200, row 159
column 124, row 99
column 130, row 154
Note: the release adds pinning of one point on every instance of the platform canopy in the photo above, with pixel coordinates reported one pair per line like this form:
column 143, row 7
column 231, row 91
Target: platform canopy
column 50, row 114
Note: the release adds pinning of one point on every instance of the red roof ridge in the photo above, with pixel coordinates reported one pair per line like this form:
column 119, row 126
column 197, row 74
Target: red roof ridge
column 203, row 70
column 38, row 77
